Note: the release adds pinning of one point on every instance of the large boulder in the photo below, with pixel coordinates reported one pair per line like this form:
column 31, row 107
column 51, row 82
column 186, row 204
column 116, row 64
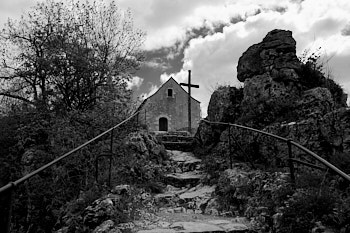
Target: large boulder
column 269, row 71
column 265, row 100
column 275, row 55
column 315, row 102
column 102, row 209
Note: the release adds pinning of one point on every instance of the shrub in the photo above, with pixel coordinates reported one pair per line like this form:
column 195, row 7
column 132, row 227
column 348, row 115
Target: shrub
column 312, row 75
column 305, row 208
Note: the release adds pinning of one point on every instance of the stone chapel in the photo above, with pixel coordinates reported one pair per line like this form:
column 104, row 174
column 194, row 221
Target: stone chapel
column 167, row 109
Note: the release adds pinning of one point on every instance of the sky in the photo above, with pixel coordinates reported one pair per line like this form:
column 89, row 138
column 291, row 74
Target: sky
column 208, row 37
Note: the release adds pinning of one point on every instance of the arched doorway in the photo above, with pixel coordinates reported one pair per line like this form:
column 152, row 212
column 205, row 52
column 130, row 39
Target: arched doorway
column 163, row 124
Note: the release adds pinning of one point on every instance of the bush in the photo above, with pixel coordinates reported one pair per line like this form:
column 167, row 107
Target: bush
column 311, row 76
column 35, row 139
column 305, row 208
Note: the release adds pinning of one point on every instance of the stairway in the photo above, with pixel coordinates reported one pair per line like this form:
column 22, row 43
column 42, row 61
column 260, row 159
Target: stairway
column 177, row 140
column 184, row 206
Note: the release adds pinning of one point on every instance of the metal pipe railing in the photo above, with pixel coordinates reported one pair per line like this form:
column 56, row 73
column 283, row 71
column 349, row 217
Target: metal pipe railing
column 323, row 161
column 12, row 185
column 290, row 143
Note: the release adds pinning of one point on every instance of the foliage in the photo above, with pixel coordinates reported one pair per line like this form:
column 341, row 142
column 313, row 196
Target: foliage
column 62, row 56
column 341, row 160
column 304, row 208
column 213, row 166
column 37, row 139
column 313, row 73
column 142, row 169
column 129, row 166
column 63, row 73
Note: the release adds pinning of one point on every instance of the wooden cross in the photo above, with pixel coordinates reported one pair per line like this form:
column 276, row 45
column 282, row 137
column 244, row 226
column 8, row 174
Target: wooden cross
column 189, row 85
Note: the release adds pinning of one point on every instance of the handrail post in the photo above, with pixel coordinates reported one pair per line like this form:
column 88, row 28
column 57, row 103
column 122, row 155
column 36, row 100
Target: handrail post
column 137, row 120
column 110, row 160
column 9, row 208
column 96, row 169
column 229, row 144
column 290, row 161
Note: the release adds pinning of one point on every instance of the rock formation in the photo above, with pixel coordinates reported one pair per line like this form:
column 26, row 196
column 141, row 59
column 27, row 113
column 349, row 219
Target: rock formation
column 275, row 56
column 286, row 97
column 280, row 95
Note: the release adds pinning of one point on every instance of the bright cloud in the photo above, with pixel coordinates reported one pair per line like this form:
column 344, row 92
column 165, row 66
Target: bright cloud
column 180, row 77
column 151, row 91
column 156, row 64
column 167, row 21
column 213, row 58
column 135, row 82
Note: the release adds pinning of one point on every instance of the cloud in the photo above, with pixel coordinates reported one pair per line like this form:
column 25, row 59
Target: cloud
column 14, row 9
column 213, row 58
column 180, row 77
column 153, row 89
column 134, row 83
column 168, row 21
column 156, row 64
column 346, row 88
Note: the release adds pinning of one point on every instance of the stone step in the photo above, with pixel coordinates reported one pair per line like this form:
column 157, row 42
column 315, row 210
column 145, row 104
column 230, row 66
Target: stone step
column 183, row 161
column 176, row 133
column 182, row 146
column 210, row 226
column 175, row 138
column 189, row 200
column 186, row 179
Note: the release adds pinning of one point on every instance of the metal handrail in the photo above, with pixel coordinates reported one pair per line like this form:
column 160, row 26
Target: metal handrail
column 290, row 143
column 37, row 171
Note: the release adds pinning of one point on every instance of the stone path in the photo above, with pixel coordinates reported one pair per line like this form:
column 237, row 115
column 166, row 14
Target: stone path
column 185, row 205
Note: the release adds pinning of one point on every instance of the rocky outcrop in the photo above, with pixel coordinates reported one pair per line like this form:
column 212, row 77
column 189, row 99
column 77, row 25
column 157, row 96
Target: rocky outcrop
column 276, row 98
column 224, row 105
column 269, row 71
column 274, row 55
column 247, row 192
column 146, row 145
column 314, row 103
column 284, row 97
column 328, row 136
column 101, row 210
column 272, row 86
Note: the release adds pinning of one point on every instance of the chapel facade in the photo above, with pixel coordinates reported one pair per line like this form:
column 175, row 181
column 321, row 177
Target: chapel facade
column 167, row 109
